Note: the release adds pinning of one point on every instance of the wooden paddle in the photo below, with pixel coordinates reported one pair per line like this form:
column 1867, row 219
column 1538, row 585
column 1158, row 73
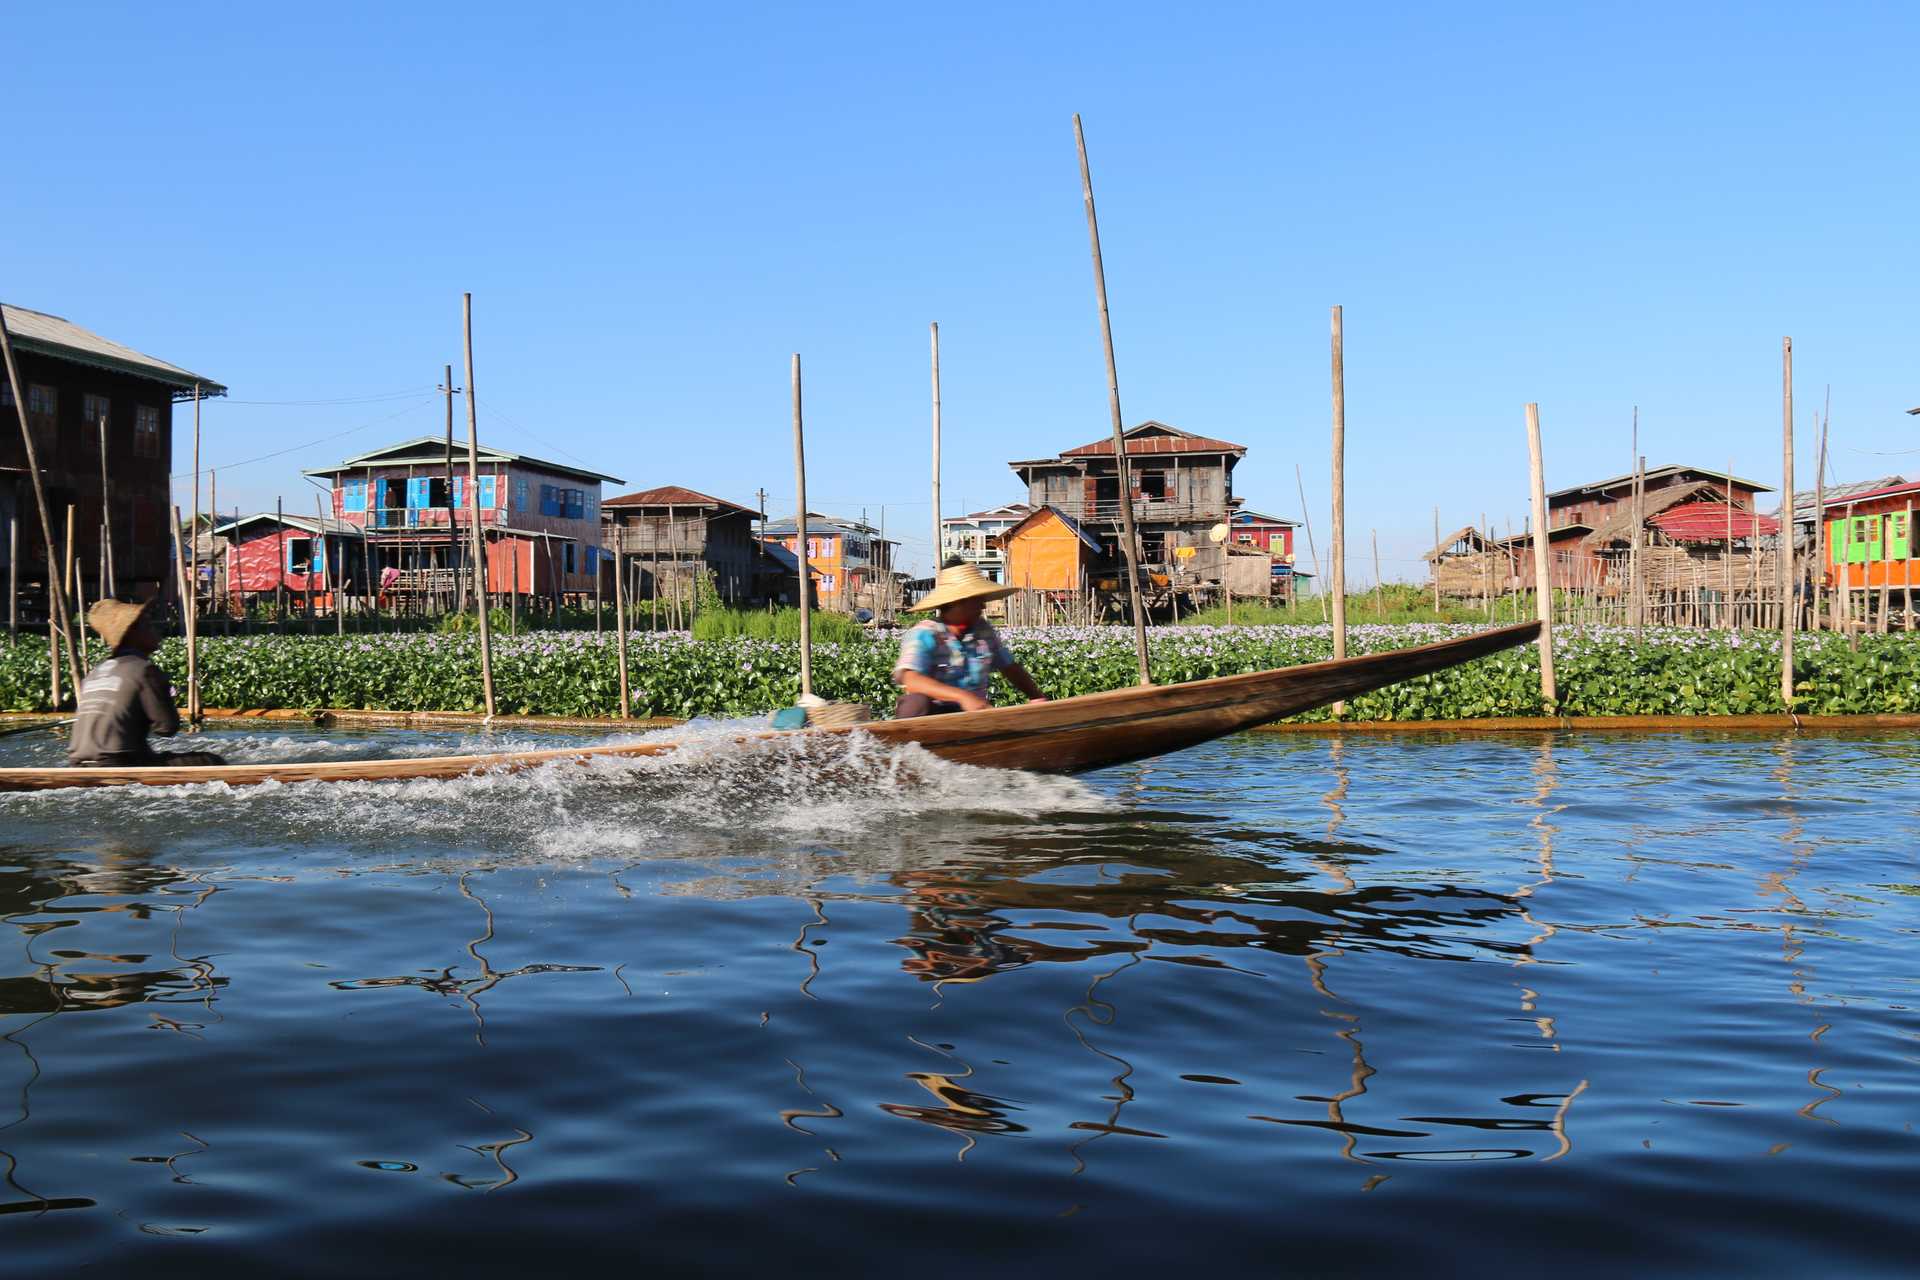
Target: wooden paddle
column 29, row 728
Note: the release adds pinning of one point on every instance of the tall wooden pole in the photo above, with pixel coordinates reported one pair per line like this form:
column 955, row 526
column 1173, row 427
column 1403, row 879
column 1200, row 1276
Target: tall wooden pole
column 1379, row 586
column 76, row 574
column 1337, row 562
column 1542, row 560
column 13, row 575
column 620, row 620
column 1307, row 520
column 453, row 526
column 1436, row 563
column 213, row 520
column 1123, row 472
column 939, row 550
column 193, row 576
column 1726, row 565
column 1822, row 557
column 1787, row 611
column 57, row 624
column 473, row 504
column 800, row 537
column 1633, row 552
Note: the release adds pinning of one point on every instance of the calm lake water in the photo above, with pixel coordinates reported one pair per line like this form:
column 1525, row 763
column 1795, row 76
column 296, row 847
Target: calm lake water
column 1281, row 1004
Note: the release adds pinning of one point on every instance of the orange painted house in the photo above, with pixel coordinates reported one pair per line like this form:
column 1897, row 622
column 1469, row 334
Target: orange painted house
column 1050, row 551
column 1869, row 538
column 844, row 557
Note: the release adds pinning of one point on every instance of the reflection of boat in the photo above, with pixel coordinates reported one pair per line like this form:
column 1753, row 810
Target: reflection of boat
column 1065, row 736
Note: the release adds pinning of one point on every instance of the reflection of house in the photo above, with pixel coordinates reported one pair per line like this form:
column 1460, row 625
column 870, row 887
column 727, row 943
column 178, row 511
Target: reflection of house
column 540, row 520
column 848, row 559
column 1182, row 487
column 1050, row 551
column 671, row 531
column 976, row 538
column 73, row 380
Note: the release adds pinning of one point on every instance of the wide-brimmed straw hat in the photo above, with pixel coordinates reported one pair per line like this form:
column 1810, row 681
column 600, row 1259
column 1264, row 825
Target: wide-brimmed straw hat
column 961, row 582
column 114, row 618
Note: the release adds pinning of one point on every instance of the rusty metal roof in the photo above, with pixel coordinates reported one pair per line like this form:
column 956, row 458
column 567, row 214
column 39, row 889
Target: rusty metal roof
column 1152, row 437
column 1707, row 522
column 673, row 495
column 47, row 335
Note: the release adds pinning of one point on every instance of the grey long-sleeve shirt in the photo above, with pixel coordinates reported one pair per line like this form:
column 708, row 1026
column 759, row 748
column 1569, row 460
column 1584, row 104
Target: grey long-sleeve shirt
column 121, row 701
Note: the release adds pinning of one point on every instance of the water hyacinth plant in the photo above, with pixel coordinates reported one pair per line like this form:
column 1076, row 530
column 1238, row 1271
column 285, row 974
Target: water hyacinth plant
column 1601, row 671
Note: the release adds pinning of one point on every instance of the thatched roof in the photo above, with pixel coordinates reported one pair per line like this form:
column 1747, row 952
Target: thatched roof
column 1465, row 533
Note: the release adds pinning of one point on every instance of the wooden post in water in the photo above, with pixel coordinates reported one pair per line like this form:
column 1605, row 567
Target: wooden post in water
column 13, row 575
column 1726, row 566
column 800, row 536
column 938, row 531
column 1122, row 470
column 1822, row 556
column 213, row 522
column 620, row 622
column 194, row 716
column 1337, row 556
column 1307, row 519
column 1542, row 564
column 180, row 580
column 1637, row 597
column 76, row 569
column 473, row 499
column 1786, row 524
column 1436, row 563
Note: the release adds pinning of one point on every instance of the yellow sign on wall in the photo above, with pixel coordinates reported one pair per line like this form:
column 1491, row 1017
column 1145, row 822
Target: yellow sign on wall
column 1185, row 553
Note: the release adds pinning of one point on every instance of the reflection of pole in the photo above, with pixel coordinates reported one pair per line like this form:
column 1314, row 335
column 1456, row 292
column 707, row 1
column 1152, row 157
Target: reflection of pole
column 473, row 498
column 1121, row 470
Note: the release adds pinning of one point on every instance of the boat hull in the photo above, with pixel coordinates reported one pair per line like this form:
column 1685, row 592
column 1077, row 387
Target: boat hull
column 1065, row 736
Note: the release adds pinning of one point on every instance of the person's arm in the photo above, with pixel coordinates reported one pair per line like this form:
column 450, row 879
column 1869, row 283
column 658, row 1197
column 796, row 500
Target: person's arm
column 156, row 699
column 919, row 682
column 1017, row 675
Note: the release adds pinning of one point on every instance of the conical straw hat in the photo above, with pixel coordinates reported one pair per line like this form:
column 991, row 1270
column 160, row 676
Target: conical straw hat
column 961, row 582
column 114, row 618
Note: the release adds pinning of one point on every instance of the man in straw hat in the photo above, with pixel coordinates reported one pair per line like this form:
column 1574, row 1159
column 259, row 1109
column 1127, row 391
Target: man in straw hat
column 126, row 697
column 947, row 661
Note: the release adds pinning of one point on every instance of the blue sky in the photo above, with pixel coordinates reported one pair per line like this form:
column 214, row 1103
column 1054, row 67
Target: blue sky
column 654, row 206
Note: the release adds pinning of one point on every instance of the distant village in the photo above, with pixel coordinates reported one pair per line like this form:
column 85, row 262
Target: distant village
column 391, row 527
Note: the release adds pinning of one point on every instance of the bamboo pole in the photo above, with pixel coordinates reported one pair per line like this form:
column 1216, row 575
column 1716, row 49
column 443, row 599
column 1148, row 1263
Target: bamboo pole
column 1542, row 566
column 1634, row 566
column 1726, row 566
column 1307, row 520
column 473, row 497
column 180, row 569
column 13, row 575
column 193, row 578
column 939, row 549
column 57, row 624
column 620, row 623
column 1823, row 555
column 1379, row 587
column 80, row 589
column 1436, row 562
column 213, row 520
column 1786, row 524
column 1337, row 555
column 1122, row 470
column 800, row 536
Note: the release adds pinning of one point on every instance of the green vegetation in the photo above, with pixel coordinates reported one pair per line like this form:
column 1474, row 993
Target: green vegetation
column 1601, row 670
column 778, row 624
column 1392, row 603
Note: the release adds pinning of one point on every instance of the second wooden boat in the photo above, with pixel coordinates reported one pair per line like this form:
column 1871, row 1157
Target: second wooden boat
column 1069, row 735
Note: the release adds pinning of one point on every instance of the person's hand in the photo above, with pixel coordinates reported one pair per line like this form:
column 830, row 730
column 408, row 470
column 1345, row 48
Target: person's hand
column 1039, row 697
column 970, row 701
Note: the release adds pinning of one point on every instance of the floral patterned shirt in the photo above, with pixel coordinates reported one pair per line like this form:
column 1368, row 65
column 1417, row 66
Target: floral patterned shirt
column 966, row 661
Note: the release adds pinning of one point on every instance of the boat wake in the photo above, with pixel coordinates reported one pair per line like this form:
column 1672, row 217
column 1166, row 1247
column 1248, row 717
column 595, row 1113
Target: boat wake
column 696, row 800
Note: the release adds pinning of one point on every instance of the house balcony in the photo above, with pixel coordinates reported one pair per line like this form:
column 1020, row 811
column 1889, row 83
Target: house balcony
column 1145, row 511
column 688, row 538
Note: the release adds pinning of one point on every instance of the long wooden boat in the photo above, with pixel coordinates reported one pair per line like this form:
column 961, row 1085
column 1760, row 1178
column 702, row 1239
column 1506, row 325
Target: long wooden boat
column 1064, row 736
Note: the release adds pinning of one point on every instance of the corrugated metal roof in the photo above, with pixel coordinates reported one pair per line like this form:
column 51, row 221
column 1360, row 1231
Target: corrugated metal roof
column 1657, row 473
column 305, row 524
column 432, row 451
column 673, row 495
column 1156, row 438
column 1803, row 499
column 817, row 523
column 1707, row 522
column 46, row 335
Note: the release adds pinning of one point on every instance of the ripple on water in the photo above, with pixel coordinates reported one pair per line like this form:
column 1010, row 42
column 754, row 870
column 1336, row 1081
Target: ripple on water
column 1645, row 1002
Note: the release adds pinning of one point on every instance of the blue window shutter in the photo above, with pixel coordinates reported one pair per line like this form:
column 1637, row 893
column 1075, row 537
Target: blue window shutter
column 320, row 555
column 487, row 491
column 286, row 554
column 460, row 492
